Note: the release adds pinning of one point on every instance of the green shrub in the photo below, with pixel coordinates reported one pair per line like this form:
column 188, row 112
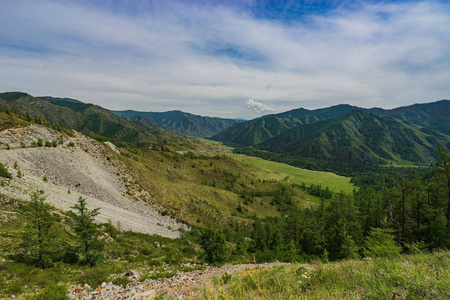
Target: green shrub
column 121, row 281
column 4, row 171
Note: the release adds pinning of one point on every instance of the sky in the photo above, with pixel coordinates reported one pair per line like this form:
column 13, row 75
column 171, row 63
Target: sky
column 231, row 59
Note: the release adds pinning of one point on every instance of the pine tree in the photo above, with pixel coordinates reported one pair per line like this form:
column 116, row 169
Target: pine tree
column 87, row 232
column 381, row 242
column 443, row 167
column 39, row 246
column 215, row 246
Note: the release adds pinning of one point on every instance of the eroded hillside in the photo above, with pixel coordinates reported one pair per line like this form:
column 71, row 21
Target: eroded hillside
column 67, row 167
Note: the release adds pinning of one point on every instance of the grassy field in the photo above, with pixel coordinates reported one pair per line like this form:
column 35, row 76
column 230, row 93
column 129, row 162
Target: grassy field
column 293, row 175
column 204, row 191
column 420, row 276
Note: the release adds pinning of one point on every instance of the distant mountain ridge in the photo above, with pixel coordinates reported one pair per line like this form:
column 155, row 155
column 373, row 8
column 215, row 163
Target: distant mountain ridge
column 87, row 118
column 266, row 127
column 181, row 122
column 60, row 99
column 435, row 115
column 356, row 137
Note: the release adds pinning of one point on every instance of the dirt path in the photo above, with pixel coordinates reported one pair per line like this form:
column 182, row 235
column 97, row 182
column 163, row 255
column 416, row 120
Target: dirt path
column 192, row 284
column 185, row 285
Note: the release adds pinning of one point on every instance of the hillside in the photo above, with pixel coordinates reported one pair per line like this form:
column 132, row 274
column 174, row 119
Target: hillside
column 89, row 119
column 181, row 122
column 73, row 166
column 419, row 276
column 261, row 129
column 195, row 188
column 434, row 115
column 358, row 137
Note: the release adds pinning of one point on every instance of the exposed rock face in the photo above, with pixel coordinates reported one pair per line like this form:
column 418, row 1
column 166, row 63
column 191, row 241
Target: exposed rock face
column 78, row 166
column 26, row 136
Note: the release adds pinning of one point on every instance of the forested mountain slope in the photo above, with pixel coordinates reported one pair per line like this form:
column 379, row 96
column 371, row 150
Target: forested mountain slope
column 181, row 122
column 435, row 115
column 356, row 137
column 87, row 118
column 261, row 129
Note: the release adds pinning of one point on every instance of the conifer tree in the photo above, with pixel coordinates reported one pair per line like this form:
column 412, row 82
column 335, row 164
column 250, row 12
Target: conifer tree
column 81, row 221
column 381, row 242
column 39, row 246
column 215, row 246
column 443, row 167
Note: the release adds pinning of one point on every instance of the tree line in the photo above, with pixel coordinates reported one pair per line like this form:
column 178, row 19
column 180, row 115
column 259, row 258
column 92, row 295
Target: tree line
column 388, row 214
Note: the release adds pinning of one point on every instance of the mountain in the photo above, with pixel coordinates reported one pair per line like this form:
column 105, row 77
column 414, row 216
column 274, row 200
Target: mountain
column 60, row 99
column 435, row 115
column 261, row 129
column 358, row 137
column 87, row 118
column 181, row 122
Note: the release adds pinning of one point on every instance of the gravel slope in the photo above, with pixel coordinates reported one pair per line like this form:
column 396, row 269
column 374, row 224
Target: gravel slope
column 84, row 170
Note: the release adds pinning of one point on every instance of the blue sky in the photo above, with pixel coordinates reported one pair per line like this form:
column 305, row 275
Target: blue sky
column 227, row 58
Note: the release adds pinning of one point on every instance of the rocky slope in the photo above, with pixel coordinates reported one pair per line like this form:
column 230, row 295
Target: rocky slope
column 184, row 285
column 77, row 166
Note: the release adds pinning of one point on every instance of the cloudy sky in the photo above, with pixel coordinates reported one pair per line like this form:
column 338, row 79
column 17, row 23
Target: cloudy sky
column 227, row 58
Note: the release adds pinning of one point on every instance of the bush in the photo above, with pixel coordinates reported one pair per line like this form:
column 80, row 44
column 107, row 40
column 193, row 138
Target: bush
column 4, row 171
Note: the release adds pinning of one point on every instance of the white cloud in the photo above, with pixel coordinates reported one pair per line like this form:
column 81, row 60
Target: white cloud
column 203, row 59
column 258, row 106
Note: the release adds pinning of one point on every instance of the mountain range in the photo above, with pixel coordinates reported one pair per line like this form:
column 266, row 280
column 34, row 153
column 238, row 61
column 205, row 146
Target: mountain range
column 358, row 136
column 181, row 122
column 435, row 115
column 90, row 119
column 336, row 138
column 345, row 138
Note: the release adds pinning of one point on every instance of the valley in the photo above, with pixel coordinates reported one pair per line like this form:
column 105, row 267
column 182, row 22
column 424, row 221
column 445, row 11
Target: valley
column 170, row 206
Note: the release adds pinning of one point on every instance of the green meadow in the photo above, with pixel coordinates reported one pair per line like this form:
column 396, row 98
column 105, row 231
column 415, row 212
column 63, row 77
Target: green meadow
column 294, row 175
